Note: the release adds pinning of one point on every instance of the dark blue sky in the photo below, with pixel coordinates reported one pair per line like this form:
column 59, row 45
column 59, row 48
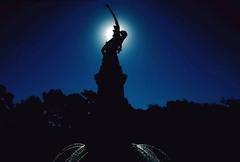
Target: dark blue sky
column 175, row 50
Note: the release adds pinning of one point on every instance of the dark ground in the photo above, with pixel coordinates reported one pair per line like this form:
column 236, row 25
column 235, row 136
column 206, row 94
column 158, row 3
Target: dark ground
column 37, row 129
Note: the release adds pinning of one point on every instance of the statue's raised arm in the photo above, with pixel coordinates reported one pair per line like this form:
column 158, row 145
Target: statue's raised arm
column 116, row 26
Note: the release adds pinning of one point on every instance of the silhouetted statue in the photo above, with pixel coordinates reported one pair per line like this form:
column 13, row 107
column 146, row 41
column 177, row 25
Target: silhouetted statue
column 114, row 45
column 110, row 79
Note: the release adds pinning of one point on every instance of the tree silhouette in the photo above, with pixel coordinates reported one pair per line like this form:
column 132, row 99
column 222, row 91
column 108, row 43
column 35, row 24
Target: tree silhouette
column 185, row 130
column 6, row 99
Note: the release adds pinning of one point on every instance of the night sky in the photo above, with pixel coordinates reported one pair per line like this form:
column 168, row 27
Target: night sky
column 175, row 49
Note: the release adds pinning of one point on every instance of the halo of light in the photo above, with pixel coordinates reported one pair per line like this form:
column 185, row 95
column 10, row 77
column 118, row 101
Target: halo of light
column 109, row 33
column 106, row 31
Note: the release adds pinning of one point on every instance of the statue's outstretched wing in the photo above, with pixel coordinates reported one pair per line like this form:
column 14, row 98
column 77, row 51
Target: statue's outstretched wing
column 116, row 27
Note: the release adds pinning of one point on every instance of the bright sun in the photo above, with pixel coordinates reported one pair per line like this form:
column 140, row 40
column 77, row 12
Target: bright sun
column 106, row 31
column 109, row 33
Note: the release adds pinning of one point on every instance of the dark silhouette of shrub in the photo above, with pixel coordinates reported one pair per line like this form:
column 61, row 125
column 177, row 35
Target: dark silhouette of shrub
column 187, row 131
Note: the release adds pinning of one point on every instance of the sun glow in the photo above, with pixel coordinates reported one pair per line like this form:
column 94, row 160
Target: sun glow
column 109, row 33
column 106, row 32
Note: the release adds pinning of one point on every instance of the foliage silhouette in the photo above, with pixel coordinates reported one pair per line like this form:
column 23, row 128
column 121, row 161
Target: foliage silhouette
column 36, row 129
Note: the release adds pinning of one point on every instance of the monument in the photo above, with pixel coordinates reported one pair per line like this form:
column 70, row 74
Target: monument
column 110, row 126
column 110, row 79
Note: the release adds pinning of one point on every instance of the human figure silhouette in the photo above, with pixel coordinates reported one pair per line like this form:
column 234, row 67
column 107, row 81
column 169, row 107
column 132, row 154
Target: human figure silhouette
column 114, row 45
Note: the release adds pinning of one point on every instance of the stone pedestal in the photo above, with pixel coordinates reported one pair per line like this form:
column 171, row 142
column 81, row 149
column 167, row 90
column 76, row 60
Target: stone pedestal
column 110, row 80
